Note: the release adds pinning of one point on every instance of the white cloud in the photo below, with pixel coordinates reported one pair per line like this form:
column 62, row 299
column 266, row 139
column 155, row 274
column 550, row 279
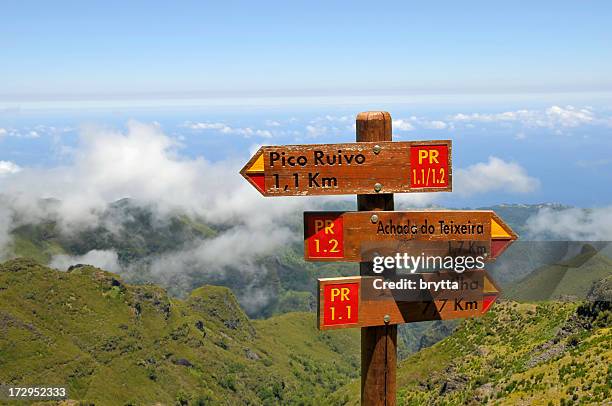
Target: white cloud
column 208, row 126
column 410, row 200
column 329, row 125
column 413, row 122
column 554, row 117
column 434, row 125
column 402, row 125
column 103, row 259
column 314, row 131
column 33, row 132
column 496, row 174
column 238, row 247
column 332, row 119
column 144, row 164
column 8, row 168
column 6, row 225
column 246, row 132
column 260, row 133
column 572, row 224
column 569, row 116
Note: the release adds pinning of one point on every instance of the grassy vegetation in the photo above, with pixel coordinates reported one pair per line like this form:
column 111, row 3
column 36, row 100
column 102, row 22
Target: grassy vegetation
column 518, row 354
column 39, row 242
column 112, row 343
column 116, row 343
column 138, row 236
column 572, row 277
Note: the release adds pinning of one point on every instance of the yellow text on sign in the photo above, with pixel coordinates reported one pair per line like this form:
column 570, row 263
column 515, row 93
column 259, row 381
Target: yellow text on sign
column 430, row 154
column 342, row 292
column 328, row 225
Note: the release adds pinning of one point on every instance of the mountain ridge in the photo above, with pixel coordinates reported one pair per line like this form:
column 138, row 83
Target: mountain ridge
column 114, row 343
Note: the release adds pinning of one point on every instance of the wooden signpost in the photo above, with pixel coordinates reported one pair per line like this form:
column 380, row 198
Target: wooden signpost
column 378, row 344
column 352, row 168
column 374, row 168
column 362, row 301
column 357, row 236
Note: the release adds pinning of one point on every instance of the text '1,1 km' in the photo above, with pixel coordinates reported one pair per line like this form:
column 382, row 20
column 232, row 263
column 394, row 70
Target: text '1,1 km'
column 351, row 168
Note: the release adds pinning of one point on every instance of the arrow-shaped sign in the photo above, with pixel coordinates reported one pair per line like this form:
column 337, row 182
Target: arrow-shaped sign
column 358, row 236
column 366, row 301
column 351, row 168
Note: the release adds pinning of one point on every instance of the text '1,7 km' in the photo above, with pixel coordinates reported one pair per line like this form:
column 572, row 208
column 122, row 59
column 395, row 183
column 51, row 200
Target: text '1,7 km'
column 351, row 168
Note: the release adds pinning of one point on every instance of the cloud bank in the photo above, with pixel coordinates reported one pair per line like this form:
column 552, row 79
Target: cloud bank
column 144, row 164
column 554, row 117
column 495, row 174
column 223, row 128
column 572, row 224
column 103, row 259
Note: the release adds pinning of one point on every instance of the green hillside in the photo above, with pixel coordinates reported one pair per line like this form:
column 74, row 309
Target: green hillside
column 551, row 353
column 138, row 237
column 572, row 277
column 289, row 281
column 133, row 231
column 94, row 331
column 113, row 343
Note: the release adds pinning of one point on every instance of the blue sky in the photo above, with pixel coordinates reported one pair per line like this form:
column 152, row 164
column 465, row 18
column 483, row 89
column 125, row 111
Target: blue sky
column 524, row 89
column 117, row 49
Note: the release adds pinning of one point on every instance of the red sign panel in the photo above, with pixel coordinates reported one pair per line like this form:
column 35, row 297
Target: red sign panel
column 429, row 166
column 341, row 304
column 324, row 236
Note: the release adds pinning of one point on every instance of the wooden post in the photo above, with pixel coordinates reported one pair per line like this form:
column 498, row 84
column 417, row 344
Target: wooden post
column 378, row 344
